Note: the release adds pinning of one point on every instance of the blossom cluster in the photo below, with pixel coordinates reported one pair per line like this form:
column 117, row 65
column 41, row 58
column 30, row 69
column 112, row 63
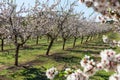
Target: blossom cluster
column 51, row 73
column 116, row 76
column 77, row 75
column 108, row 8
column 110, row 60
column 105, row 39
column 88, row 65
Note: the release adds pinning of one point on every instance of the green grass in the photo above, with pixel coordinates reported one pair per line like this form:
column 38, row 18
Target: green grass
column 34, row 55
column 114, row 35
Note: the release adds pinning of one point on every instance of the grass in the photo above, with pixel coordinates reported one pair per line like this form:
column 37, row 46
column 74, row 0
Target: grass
column 34, row 55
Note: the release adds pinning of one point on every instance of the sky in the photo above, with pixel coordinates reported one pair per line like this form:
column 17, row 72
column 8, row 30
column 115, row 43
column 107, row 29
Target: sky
column 78, row 9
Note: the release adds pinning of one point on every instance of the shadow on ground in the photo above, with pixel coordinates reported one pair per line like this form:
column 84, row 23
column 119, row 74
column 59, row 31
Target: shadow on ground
column 65, row 57
column 34, row 74
column 84, row 51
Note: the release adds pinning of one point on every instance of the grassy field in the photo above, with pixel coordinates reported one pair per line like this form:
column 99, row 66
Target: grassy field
column 34, row 56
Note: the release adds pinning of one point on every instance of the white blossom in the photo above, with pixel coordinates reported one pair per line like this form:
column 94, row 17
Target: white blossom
column 77, row 75
column 107, row 54
column 100, row 66
column 88, row 65
column 90, row 70
column 118, row 69
column 95, row 4
column 105, row 39
column 51, row 73
column 68, row 71
column 71, row 77
column 115, row 77
column 118, row 44
column 117, row 58
column 84, row 61
column 114, row 43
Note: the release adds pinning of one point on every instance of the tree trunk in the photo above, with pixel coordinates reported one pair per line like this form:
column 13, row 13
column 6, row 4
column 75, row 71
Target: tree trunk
column 17, row 54
column 2, row 44
column 99, row 35
column 49, row 47
column 37, row 40
column 87, row 38
column 40, row 37
column 91, row 37
column 96, row 36
column 74, row 42
column 48, row 38
column 82, row 39
column 64, row 41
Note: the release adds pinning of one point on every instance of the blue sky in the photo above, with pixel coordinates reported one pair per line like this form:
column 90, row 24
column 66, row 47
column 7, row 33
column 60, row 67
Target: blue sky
column 79, row 8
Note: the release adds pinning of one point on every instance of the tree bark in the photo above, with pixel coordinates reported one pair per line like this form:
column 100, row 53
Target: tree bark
column 64, row 41
column 99, row 35
column 49, row 47
column 48, row 38
column 87, row 38
column 17, row 54
column 91, row 37
column 37, row 40
column 74, row 43
column 82, row 39
column 2, row 44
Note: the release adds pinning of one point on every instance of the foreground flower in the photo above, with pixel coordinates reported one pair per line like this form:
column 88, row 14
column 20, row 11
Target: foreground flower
column 88, row 65
column 77, row 75
column 85, row 61
column 115, row 77
column 107, row 59
column 90, row 70
column 118, row 69
column 100, row 66
column 114, row 42
column 118, row 44
column 107, row 54
column 68, row 71
column 117, row 58
column 51, row 73
column 105, row 39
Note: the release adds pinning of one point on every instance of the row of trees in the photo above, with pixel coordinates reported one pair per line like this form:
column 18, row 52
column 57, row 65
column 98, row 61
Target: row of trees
column 42, row 19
